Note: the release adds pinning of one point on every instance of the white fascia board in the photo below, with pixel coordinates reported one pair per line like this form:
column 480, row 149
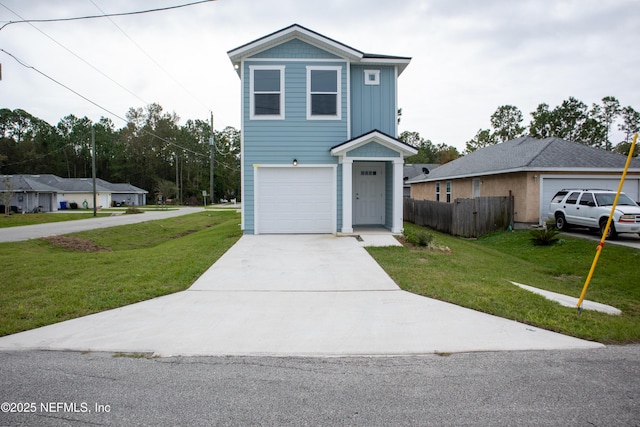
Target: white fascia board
column 526, row 169
column 400, row 63
column 374, row 137
column 290, row 33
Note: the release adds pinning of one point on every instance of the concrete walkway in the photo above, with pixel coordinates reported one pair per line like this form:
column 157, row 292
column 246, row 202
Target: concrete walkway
column 293, row 295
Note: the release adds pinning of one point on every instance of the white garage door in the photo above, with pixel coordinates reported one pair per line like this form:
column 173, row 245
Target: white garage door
column 551, row 185
column 295, row 200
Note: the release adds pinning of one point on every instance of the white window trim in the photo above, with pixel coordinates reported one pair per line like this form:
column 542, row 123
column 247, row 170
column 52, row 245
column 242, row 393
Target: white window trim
column 252, row 115
column 376, row 77
column 338, row 70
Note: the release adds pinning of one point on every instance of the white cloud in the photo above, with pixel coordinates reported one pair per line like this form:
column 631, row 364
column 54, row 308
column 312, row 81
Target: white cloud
column 469, row 57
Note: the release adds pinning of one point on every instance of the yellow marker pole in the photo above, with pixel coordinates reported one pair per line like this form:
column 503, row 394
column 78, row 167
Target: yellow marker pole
column 606, row 230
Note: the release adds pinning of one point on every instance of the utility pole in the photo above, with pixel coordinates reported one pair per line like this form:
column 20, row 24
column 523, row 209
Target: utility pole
column 177, row 182
column 211, row 169
column 93, row 168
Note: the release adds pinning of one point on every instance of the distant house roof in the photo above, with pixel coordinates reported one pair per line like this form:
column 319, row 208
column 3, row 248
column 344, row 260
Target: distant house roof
column 413, row 170
column 296, row 31
column 49, row 183
column 21, row 183
column 530, row 154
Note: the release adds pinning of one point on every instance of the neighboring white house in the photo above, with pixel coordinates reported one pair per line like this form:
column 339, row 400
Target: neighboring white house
column 49, row 193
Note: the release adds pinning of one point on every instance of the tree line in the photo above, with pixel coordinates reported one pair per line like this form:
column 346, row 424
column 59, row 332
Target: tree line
column 572, row 120
column 152, row 151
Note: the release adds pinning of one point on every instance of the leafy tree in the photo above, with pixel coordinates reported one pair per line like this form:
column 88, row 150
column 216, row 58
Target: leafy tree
column 624, row 147
column 447, row 153
column 543, row 122
column 506, row 123
column 570, row 115
column 607, row 114
column 6, row 195
column 164, row 190
column 227, row 163
column 427, row 152
column 630, row 123
column 483, row 138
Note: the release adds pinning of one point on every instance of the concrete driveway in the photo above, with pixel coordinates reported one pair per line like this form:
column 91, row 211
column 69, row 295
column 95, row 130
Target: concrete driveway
column 293, row 295
column 626, row 239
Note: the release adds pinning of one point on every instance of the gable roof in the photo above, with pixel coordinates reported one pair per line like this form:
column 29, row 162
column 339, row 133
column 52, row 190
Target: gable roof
column 49, row 183
column 21, row 183
column 530, row 154
column 306, row 35
column 377, row 136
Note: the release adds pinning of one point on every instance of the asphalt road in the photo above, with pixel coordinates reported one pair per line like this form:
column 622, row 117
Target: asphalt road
column 16, row 234
column 550, row 388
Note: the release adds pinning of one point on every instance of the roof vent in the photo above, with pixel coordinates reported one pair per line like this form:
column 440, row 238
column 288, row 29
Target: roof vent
column 425, row 171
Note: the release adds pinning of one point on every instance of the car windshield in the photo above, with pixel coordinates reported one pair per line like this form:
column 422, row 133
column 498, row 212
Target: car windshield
column 606, row 199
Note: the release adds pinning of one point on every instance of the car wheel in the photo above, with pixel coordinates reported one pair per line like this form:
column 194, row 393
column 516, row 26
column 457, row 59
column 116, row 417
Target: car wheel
column 561, row 222
column 612, row 234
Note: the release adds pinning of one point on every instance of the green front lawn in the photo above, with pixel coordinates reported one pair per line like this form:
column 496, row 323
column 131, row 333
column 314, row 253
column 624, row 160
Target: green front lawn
column 43, row 283
column 477, row 274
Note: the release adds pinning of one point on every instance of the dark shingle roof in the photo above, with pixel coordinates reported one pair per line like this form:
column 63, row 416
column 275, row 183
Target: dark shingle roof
column 49, row 183
column 24, row 183
column 529, row 154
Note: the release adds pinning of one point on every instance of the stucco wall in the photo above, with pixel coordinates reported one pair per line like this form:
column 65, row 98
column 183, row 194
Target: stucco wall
column 522, row 186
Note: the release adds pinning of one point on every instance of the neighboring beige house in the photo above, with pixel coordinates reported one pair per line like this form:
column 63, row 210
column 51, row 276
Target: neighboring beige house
column 530, row 169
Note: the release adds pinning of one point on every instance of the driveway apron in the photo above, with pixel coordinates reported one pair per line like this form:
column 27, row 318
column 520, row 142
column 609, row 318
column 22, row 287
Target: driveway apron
column 292, row 295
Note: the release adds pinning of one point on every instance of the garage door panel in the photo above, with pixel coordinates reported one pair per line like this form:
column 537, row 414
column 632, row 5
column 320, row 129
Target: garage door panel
column 551, row 185
column 295, row 200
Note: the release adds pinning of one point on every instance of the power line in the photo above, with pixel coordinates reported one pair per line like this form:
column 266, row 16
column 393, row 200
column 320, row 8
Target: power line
column 102, row 16
column 96, row 104
column 60, row 84
column 176, row 81
column 77, row 56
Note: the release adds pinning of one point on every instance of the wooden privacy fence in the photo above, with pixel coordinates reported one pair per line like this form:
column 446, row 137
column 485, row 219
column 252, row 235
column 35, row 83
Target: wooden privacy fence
column 464, row 217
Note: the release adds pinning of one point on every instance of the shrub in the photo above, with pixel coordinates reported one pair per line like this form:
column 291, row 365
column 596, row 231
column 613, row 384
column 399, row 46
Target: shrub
column 132, row 210
column 73, row 205
column 544, row 237
column 419, row 237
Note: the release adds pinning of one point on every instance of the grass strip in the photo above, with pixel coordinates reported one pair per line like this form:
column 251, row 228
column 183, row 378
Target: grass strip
column 477, row 273
column 17, row 220
column 41, row 283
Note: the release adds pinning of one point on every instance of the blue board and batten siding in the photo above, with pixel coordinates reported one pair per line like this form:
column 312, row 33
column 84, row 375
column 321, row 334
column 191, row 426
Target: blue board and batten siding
column 295, row 136
column 373, row 106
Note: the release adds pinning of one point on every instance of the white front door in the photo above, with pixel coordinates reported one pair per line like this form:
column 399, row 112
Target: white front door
column 368, row 193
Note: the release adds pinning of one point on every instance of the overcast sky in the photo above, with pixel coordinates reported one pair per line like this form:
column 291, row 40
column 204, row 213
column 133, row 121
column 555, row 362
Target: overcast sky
column 469, row 56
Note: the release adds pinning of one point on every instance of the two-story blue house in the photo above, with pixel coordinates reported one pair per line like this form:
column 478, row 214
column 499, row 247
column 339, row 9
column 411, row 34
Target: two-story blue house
column 319, row 127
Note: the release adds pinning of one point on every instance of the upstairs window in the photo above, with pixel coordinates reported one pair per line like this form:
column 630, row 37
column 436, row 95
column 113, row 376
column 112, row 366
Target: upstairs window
column 267, row 93
column 323, row 93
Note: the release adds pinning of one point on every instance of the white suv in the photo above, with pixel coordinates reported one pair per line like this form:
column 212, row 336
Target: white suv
column 591, row 208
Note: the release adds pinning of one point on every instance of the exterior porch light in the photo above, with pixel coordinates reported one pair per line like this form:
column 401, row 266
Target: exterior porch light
column 295, row 162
